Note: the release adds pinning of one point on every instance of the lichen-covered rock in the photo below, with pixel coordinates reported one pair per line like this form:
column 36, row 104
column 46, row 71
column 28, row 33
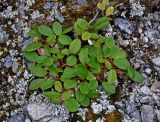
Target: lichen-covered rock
column 17, row 118
column 147, row 113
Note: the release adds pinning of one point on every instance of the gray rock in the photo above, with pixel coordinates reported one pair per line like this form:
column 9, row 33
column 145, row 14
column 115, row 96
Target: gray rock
column 8, row 62
column 136, row 115
column 3, row 35
column 38, row 111
column 17, row 118
column 156, row 61
column 130, row 107
column 155, row 87
column 15, row 67
column 148, row 71
column 124, row 25
column 136, row 9
column 146, row 99
column 147, row 113
column 158, row 115
column 145, row 90
column 49, row 5
column 153, row 34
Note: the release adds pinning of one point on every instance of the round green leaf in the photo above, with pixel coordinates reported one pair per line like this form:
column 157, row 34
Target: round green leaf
column 92, row 62
column 33, row 33
column 77, row 29
column 31, row 56
column 84, row 87
column 51, row 94
column 40, row 59
column 112, row 76
column 48, row 61
column 57, row 28
column 64, row 39
column 66, row 95
column 69, row 84
column 81, row 71
column 85, row 102
column 122, row 63
column 69, row 72
column 83, row 55
column 71, row 60
column 46, row 84
column 38, row 71
column 55, row 100
column 86, row 35
column 101, row 23
column 35, row 84
column 109, row 10
column 65, row 51
column 72, row 105
column 93, row 84
column 83, row 24
column 51, row 39
column 109, row 87
column 79, row 96
column 75, row 46
column 45, row 30
column 58, row 86
column 33, row 46
column 93, row 51
column 66, row 30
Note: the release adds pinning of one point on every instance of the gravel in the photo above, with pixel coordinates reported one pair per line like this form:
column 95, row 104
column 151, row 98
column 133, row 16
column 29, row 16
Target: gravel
column 156, row 61
column 147, row 113
column 20, row 117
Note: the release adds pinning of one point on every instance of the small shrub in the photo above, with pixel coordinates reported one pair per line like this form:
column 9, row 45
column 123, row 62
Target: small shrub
column 70, row 63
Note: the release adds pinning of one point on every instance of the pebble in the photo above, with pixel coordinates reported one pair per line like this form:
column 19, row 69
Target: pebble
column 155, row 87
column 158, row 115
column 17, row 118
column 124, row 25
column 97, row 108
column 145, row 39
column 148, row 71
column 15, row 67
column 156, row 61
column 145, row 90
column 145, row 99
column 8, row 62
column 147, row 113
column 152, row 34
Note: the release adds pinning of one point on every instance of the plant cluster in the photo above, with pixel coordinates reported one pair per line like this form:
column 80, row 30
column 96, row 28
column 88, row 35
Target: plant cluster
column 70, row 63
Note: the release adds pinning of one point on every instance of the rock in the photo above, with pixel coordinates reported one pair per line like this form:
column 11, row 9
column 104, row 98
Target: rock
column 156, row 61
column 136, row 9
column 158, row 115
column 124, row 25
column 38, row 111
column 147, row 113
column 155, row 87
column 99, row 120
column 136, row 115
column 148, row 71
column 3, row 35
column 153, row 35
column 8, row 62
column 130, row 107
column 97, row 108
column 15, row 67
column 145, row 39
column 146, row 99
column 145, row 90
column 17, row 118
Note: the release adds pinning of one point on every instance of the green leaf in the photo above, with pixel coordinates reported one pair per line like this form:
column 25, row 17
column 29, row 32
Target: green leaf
column 51, row 39
column 31, row 56
column 81, row 71
column 58, row 86
column 69, row 84
column 83, row 55
column 53, row 70
column 100, row 59
column 55, row 100
column 71, row 60
column 84, row 87
column 108, row 65
column 86, row 35
column 92, row 62
column 83, row 24
column 101, row 23
column 38, row 71
column 65, row 51
column 45, row 30
column 93, row 51
column 60, row 55
column 94, row 36
column 77, row 29
column 93, row 84
column 135, row 76
column 51, row 94
column 93, row 94
column 35, row 84
column 67, row 30
column 46, row 84
column 79, row 96
column 109, row 87
column 85, row 102
column 121, row 63
column 64, row 39
column 75, row 46
column 69, row 72
column 57, row 28
column 47, row 50
column 72, row 105
column 33, row 33
column 48, row 61
column 90, row 76
column 112, row 76
column 40, row 59
column 109, row 10
column 33, row 46
column 54, row 50
column 66, row 95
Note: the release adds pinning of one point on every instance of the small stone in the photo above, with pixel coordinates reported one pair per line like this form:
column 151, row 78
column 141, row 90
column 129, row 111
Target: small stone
column 148, row 71
column 145, row 39
column 156, row 61
column 99, row 120
column 155, row 87
column 124, row 25
column 140, row 30
column 8, row 62
column 97, row 108
column 158, row 115
column 136, row 115
column 27, row 120
column 17, row 118
column 146, row 99
column 153, row 35
column 15, row 67
column 145, row 90
column 147, row 113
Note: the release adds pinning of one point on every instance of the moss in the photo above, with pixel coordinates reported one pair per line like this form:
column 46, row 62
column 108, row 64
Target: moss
column 114, row 116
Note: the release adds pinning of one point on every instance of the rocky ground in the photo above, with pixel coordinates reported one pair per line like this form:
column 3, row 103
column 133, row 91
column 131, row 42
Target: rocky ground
column 135, row 26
